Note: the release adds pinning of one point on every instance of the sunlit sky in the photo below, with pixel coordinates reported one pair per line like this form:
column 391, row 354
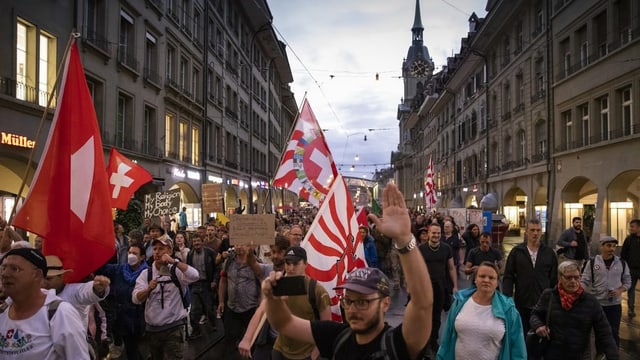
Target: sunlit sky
column 335, row 50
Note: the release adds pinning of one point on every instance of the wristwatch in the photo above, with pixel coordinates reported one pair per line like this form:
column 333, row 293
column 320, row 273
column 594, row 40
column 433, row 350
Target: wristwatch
column 407, row 248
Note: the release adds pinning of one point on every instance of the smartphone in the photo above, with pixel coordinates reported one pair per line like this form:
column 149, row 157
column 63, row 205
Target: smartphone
column 290, row 286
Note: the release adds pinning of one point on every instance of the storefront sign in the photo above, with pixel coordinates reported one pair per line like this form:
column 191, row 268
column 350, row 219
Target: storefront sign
column 17, row 140
column 162, row 203
column 178, row 173
column 193, row 175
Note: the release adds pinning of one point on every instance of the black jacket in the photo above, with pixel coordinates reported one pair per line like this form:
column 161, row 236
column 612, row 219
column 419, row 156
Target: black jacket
column 631, row 253
column 529, row 281
column 209, row 263
column 570, row 330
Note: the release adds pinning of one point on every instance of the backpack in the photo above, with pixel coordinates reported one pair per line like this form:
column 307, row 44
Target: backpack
column 387, row 347
column 52, row 307
column 174, row 280
column 591, row 261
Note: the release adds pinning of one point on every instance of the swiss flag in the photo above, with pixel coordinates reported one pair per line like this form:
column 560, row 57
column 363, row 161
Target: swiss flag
column 125, row 177
column 69, row 202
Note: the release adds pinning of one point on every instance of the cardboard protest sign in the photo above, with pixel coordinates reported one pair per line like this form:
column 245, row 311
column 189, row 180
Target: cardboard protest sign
column 162, row 203
column 257, row 228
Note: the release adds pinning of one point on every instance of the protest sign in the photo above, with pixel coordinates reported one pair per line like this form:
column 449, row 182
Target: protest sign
column 257, row 228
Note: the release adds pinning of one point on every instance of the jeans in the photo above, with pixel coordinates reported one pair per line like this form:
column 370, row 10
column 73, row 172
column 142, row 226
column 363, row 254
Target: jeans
column 614, row 315
column 631, row 294
column 202, row 303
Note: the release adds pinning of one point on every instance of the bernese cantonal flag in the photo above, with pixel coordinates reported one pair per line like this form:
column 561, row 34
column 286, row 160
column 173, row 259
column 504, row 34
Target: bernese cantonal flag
column 333, row 243
column 68, row 203
column 430, row 196
column 307, row 167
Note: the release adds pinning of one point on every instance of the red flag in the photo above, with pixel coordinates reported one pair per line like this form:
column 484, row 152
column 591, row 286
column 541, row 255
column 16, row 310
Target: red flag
column 125, row 177
column 69, row 203
column 307, row 167
column 333, row 242
column 430, row 196
column 363, row 219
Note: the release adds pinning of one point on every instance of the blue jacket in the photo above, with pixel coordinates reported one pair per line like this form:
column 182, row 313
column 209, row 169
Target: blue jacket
column 370, row 252
column 513, row 346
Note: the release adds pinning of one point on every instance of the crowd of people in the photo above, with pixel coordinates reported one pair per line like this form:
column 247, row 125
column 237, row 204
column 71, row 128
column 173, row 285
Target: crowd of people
column 163, row 285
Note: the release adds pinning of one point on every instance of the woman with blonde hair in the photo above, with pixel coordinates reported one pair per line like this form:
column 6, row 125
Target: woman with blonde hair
column 483, row 323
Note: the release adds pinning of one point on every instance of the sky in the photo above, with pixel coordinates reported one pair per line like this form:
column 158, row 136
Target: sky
column 336, row 48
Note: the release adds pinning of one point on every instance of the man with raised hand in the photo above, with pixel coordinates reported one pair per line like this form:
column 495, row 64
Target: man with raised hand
column 366, row 299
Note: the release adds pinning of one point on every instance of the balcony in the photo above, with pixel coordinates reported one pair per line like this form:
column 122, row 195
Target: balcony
column 509, row 165
column 506, row 116
column 24, row 92
column 98, row 41
column 519, row 108
column 494, row 170
column 230, row 113
column 151, row 76
column 538, row 157
column 127, row 59
column 539, row 95
column 230, row 164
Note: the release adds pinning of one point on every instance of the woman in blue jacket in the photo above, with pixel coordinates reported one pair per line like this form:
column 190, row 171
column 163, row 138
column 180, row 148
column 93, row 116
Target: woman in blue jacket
column 482, row 322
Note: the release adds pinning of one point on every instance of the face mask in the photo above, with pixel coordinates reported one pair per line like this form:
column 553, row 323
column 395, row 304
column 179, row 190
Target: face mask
column 132, row 259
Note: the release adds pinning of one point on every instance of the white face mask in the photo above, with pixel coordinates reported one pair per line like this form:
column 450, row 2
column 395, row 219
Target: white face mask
column 132, row 259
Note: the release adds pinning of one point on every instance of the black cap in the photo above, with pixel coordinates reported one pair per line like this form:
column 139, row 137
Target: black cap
column 296, row 253
column 367, row 281
column 32, row 255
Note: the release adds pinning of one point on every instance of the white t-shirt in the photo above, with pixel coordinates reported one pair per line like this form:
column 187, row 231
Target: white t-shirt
column 37, row 338
column 480, row 333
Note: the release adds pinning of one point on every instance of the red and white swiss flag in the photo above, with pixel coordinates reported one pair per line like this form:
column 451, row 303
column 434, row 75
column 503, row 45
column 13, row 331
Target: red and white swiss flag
column 125, row 177
column 69, row 202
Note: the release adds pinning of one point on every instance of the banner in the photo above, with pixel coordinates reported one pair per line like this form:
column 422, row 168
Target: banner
column 162, row 203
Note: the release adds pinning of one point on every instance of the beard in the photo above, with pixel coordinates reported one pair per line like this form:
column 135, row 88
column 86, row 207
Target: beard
column 370, row 325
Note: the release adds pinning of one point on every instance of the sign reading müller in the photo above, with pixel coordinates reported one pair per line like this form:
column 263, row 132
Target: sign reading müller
column 162, row 203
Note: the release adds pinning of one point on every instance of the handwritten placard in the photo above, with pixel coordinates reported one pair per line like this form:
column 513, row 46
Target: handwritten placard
column 257, row 228
column 162, row 203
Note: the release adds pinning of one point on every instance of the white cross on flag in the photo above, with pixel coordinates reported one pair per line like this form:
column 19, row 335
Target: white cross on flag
column 125, row 177
column 307, row 167
column 68, row 201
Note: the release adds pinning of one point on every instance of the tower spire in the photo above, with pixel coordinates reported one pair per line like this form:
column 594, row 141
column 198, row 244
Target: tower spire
column 417, row 28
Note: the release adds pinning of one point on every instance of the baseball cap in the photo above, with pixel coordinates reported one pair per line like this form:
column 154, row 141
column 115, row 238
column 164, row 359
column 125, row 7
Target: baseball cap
column 164, row 240
column 54, row 266
column 31, row 255
column 367, row 281
column 608, row 239
column 295, row 253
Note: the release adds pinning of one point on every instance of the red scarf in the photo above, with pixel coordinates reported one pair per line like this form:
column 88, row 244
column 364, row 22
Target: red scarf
column 566, row 299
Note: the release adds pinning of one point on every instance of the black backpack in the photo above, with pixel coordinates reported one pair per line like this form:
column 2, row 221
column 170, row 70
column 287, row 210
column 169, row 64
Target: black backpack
column 387, row 346
column 174, row 280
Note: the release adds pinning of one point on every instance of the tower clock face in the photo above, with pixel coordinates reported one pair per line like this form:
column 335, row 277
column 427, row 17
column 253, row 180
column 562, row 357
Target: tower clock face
column 419, row 68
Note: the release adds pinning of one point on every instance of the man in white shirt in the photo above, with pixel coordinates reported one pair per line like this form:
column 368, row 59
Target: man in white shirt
column 36, row 324
column 164, row 311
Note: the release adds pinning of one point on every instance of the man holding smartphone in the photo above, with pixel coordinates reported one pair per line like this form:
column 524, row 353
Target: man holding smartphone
column 366, row 299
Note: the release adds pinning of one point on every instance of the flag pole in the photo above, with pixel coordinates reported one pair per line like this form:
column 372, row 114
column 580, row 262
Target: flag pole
column 72, row 37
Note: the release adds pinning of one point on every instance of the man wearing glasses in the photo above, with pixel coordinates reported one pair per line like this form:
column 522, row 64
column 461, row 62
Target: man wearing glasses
column 366, row 299
column 295, row 235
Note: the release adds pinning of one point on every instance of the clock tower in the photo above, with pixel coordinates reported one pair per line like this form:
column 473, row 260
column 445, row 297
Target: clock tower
column 417, row 67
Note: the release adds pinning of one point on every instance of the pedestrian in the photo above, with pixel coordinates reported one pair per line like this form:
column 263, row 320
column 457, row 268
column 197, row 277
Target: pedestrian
column 128, row 317
column 182, row 219
column 606, row 277
column 164, row 310
column 366, row 298
column 370, row 251
column 483, row 324
column 573, row 314
column 531, row 267
column 471, row 237
column 631, row 254
column 204, row 289
column 439, row 259
column 574, row 243
column 481, row 254
column 35, row 323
